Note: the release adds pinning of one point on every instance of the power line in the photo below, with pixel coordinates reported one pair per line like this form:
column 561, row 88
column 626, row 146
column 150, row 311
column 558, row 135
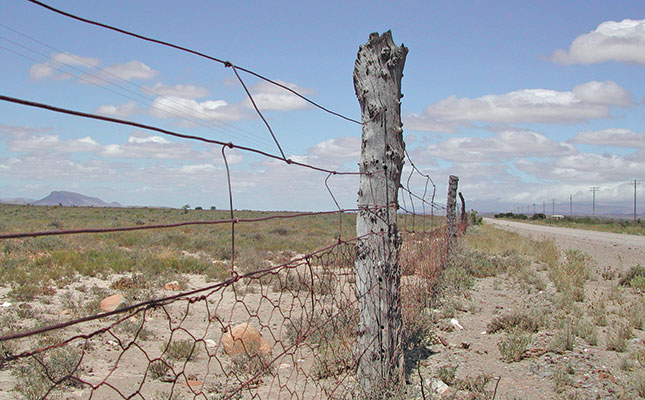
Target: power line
column 194, row 52
column 166, row 132
column 206, row 122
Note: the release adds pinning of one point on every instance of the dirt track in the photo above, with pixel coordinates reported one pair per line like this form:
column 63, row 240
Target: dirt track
column 616, row 250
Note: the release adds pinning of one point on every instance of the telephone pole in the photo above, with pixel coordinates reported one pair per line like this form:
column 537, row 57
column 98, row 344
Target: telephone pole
column 533, row 208
column 543, row 207
column 593, row 190
column 571, row 205
column 635, row 183
column 553, row 207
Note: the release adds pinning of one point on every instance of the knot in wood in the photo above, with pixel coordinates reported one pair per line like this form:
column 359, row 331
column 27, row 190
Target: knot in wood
column 385, row 53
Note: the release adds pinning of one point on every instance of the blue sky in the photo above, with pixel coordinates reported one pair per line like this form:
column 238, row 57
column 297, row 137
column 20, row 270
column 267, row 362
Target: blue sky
column 524, row 101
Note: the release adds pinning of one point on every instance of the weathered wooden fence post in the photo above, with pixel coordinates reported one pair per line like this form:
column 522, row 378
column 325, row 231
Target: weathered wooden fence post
column 377, row 81
column 451, row 211
column 463, row 220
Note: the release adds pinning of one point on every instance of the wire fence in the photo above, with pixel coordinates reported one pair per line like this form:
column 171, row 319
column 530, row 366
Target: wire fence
column 284, row 329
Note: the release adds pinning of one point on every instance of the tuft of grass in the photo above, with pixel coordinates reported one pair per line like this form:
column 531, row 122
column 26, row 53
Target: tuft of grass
column 617, row 338
column 158, row 369
column 51, row 372
column 562, row 378
column 474, row 384
column 635, row 314
column 333, row 358
column 513, row 345
column 448, row 374
column 510, row 322
column 635, row 278
column 563, row 340
column 570, row 277
column 132, row 328
column 181, row 350
column 638, row 384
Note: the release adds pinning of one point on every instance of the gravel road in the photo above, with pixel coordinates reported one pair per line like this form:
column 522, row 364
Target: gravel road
column 615, row 250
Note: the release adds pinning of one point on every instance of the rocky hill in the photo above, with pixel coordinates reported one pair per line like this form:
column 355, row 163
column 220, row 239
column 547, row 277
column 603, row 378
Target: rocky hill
column 65, row 198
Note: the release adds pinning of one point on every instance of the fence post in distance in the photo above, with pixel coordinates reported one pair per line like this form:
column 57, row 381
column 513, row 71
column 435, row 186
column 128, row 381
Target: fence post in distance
column 451, row 212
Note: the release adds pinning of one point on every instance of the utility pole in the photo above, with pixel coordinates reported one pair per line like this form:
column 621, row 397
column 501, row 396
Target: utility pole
column 571, row 205
column 543, row 207
column 533, row 208
column 553, row 207
column 593, row 190
column 635, row 183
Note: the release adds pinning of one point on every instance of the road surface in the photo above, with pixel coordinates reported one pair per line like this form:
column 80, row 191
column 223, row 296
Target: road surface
column 619, row 251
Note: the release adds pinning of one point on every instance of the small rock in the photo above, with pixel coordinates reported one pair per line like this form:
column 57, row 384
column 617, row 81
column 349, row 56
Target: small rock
column 193, row 384
column 210, row 343
column 174, row 285
column 6, row 304
column 245, row 339
column 112, row 303
column 439, row 387
column 456, row 324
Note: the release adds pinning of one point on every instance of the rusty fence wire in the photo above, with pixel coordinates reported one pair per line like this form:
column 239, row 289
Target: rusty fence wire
column 286, row 330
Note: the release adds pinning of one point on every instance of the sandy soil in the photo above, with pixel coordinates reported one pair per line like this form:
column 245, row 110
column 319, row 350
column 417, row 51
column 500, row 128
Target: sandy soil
column 594, row 372
column 608, row 249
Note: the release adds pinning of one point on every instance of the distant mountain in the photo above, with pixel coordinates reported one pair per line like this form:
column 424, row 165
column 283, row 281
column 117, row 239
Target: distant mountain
column 73, row 199
column 17, row 200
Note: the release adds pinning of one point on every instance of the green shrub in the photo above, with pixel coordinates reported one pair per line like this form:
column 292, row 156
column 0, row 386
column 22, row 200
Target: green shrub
column 513, row 345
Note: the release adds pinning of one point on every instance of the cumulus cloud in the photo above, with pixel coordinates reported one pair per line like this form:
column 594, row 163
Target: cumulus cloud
column 591, row 100
column 343, row 149
column 125, row 71
column 131, row 70
column 271, row 97
column 120, row 111
column 178, row 107
column 584, row 168
column 622, row 41
column 140, row 145
column 53, row 68
column 505, row 145
column 183, row 91
column 611, row 137
column 40, row 143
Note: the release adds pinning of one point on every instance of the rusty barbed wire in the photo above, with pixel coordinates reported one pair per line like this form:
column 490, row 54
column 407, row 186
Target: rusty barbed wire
column 284, row 327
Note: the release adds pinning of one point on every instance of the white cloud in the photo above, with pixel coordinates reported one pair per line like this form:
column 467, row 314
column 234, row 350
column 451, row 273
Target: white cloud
column 52, row 68
column 126, row 71
column 585, row 168
column 197, row 168
column 505, row 145
column 271, row 97
column 121, row 111
column 177, row 107
column 131, row 70
column 51, row 143
column 72, row 59
column 591, row 100
column 140, row 145
column 341, row 149
column 622, row 41
column 611, row 137
column 183, row 91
